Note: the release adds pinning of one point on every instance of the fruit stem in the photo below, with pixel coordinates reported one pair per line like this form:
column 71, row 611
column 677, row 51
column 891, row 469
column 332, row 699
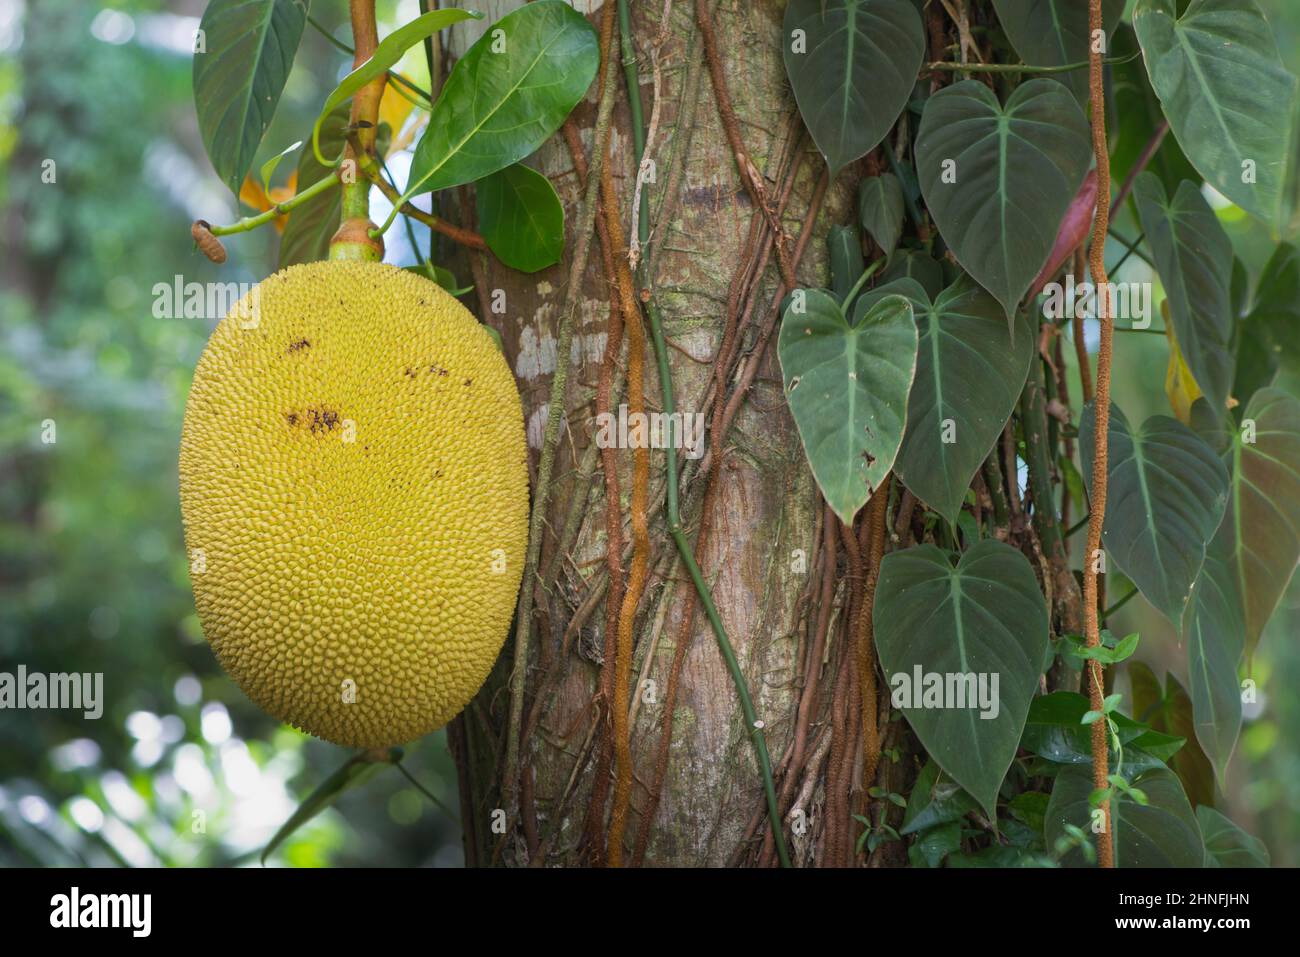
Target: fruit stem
column 353, row 240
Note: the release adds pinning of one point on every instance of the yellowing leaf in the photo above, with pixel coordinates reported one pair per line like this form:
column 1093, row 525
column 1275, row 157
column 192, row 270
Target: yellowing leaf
column 1180, row 386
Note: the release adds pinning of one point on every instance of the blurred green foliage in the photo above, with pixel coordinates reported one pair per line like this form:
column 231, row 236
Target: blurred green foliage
column 181, row 768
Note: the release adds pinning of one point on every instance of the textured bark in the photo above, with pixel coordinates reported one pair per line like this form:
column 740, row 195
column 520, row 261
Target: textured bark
column 761, row 550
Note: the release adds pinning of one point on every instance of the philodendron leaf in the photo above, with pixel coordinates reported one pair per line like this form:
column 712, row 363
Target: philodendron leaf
column 1271, row 330
column 880, row 207
column 1193, row 256
column 1226, row 844
column 970, row 371
column 520, row 217
column 386, row 55
column 1259, row 540
column 1055, row 33
column 852, row 64
column 913, row 264
column 935, row 799
column 999, row 179
column 1213, row 69
column 1163, row 833
column 313, row 223
column 1168, row 710
column 847, row 387
column 244, row 51
column 1166, row 494
column 845, row 253
column 1054, row 731
column 508, row 94
column 978, row 631
column 1215, row 641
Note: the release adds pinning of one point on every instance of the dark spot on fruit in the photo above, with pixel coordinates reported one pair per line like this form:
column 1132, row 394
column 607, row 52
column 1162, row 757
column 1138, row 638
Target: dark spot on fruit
column 292, row 417
column 300, row 344
column 316, row 420
column 434, row 367
column 410, row 374
column 469, row 381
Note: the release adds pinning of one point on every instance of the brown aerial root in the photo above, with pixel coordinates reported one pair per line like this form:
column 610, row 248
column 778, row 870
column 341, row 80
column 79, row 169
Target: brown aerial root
column 1101, row 418
column 621, row 701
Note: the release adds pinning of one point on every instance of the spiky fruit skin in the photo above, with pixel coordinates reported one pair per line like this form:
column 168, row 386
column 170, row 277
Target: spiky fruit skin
column 354, row 488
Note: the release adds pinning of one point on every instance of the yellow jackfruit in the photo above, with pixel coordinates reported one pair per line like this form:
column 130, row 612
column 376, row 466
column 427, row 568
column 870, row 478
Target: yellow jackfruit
column 354, row 489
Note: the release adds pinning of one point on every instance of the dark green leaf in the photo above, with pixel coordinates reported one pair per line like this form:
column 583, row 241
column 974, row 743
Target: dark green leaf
column 521, row 218
column 508, row 94
column 1167, row 493
column 1169, row 711
column 1055, row 33
column 984, row 619
column 852, row 64
column 1230, row 101
column 934, row 845
column 249, row 46
column 914, row 264
column 1227, row 845
column 386, row 55
column 935, row 799
column 1193, row 256
column 1215, row 641
column 1163, row 833
column 998, row 180
column 311, row 226
column 847, row 388
column 846, row 261
column 880, row 207
column 1054, row 730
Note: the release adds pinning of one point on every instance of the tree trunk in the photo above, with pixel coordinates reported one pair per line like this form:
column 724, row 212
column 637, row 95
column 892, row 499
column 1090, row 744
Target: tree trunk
column 765, row 520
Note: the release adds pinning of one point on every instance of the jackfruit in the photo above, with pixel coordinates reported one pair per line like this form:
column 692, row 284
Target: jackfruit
column 354, row 491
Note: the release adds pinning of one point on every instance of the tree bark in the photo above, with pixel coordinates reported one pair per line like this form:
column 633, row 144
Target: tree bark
column 761, row 552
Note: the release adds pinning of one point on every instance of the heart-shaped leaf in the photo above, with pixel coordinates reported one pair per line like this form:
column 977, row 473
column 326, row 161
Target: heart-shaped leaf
column 847, row 264
column 508, row 94
column 1259, row 540
column 1227, row 845
column 520, row 217
column 880, row 207
column 852, row 64
column 1136, row 113
column 1213, row 69
column 386, row 55
column 962, row 627
column 1166, row 494
column 1193, row 256
column 1215, row 641
column 239, row 72
column 1055, row 732
column 1055, row 33
column 998, row 180
column 913, row 264
column 935, row 799
column 1272, row 327
column 1163, row 833
column 847, row 388
column 970, row 371
column 1168, row 710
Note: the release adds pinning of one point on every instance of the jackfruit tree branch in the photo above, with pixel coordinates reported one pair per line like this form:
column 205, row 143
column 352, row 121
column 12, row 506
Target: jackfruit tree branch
column 353, row 241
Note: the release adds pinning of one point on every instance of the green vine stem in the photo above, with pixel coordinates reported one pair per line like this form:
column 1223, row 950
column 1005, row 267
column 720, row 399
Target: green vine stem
column 1022, row 67
column 279, row 209
column 675, row 529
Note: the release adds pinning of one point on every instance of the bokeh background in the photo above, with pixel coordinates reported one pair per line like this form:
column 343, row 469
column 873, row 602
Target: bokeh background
column 93, row 576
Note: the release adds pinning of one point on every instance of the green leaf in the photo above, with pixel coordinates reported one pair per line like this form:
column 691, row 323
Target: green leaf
column 1271, row 331
column 1215, row 642
column 998, row 180
column 311, row 226
column 1167, row 493
column 355, row 771
column 1135, row 117
column 1055, row 33
column 880, row 207
column 1226, row 844
column 386, row 55
column 847, row 264
column 1169, row 711
column 852, row 64
column 970, row 370
column 982, row 617
column 520, row 217
column 1259, row 539
column 506, row 97
column 238, row 78
column 1161, row 833
column 914, row 264
column 1054, row 730
column 1193, row 256
column 935, row 799
column 934, row 845
column 847, row 388
column 269, row 167
column 1230, row 101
